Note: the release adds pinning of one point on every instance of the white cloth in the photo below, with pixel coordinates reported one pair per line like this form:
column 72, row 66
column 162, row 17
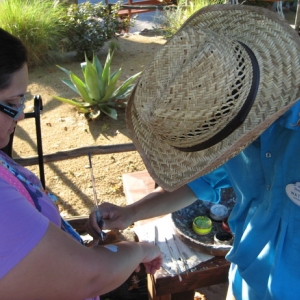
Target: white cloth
column 178, row 257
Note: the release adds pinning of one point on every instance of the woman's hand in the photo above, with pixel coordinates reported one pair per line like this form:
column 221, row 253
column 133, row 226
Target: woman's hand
column 153, row 260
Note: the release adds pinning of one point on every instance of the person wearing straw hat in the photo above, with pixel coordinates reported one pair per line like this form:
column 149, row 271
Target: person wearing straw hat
column 218, row 107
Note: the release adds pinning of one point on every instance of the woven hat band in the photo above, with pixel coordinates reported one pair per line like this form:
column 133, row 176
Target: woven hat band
column 240, row 117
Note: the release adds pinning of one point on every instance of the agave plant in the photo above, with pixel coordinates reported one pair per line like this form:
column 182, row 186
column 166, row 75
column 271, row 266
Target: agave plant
column 99, row 93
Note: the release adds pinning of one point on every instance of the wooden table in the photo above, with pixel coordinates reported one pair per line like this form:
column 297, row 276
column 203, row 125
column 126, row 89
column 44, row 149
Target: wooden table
column 163, row 286
column 211, row 272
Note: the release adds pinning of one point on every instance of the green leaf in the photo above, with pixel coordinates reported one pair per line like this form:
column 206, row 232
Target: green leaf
column 91, row 80
column 73, row 102
column 65, row 70
column 70, row 84
column 126, row 85
column 80, row 86
column 114, row 73
column 106, row 70
column 111, row 87
column 98, row 66
column 125, row 93
column 109, row 111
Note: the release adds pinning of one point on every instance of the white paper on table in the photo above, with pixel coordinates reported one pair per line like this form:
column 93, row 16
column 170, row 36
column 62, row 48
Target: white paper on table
column 173, row 264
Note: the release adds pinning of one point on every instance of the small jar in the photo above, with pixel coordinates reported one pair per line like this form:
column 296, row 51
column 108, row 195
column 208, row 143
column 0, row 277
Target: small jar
column 202, row 225
column 218, row 212
column 223, row 238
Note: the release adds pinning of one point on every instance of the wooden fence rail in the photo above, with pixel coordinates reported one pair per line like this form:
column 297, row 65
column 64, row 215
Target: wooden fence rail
column 76, row 152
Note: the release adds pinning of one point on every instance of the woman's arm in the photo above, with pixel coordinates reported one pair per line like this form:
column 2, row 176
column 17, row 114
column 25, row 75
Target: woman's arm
column 161, row 202
column 157, row 203
column 61, row 268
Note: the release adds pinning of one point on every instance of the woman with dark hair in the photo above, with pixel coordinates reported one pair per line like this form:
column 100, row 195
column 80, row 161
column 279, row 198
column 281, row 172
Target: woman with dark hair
column 41, row 257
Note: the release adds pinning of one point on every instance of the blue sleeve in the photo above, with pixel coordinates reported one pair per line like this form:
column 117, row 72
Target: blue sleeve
column 209, row 186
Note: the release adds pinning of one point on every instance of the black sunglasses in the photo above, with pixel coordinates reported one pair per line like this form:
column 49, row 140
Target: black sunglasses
column 13, row 112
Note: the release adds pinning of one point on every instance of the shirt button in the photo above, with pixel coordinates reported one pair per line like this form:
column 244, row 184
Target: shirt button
column 268, row 187
column 268, row 155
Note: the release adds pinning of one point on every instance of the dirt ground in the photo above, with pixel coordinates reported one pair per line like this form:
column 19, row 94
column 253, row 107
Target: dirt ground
column 63, row 128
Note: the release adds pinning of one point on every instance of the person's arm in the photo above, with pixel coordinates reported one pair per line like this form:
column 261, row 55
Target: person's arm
column 61, row 268
column 160, row 202
column 157, row 203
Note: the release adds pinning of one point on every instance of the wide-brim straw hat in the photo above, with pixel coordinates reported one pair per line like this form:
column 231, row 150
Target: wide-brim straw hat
column 223, row 78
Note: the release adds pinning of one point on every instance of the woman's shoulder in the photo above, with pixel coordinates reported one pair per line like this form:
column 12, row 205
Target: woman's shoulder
column 21, row 227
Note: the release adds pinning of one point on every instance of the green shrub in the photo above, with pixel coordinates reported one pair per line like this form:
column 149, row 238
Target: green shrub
column 100, row 91
column 89, row 26
column 36, row 23
column 172, row 19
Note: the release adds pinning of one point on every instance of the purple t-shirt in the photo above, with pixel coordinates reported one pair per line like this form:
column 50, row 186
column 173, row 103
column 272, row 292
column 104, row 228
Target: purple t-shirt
column 22, row 225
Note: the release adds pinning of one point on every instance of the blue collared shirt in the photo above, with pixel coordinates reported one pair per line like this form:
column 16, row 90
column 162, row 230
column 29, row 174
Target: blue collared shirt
column 265, row 221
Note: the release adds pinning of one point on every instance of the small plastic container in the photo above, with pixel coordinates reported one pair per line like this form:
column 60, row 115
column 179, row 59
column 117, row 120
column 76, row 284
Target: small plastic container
column 202, row 225
column 223, row 238
column 218, row 212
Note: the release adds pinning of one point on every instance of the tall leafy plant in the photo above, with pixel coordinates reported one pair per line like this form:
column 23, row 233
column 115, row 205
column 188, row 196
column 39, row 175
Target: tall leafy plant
column 36, row 23
column 99, row 92
column 89, row 26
